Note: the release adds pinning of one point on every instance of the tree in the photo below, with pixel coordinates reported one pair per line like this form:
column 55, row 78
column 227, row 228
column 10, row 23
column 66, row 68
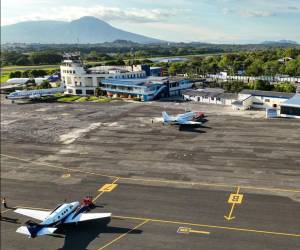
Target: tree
column 234, row 86
column 260, row 85
column 99, row 92
column 285, row 87
column 44, row 85
column 255, row 69
column 23, row 60
column 15, row 74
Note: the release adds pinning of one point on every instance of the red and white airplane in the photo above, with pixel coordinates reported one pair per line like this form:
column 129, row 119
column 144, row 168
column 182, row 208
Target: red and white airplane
column 66, row 213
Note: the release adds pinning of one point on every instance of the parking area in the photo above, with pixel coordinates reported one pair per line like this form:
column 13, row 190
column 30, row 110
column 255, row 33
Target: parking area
column 233, row 183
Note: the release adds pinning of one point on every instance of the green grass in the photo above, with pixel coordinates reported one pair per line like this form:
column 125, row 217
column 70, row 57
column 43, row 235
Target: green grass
column 76, row 98
column 4, row 77
column 25, row 67
column 68, row 98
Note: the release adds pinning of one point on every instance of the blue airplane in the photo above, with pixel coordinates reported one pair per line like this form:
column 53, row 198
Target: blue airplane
column 182, row 119
column 66, row 213
column 34, row 94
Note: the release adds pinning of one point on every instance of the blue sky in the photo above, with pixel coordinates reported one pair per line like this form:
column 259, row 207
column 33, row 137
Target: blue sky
column 219, row 21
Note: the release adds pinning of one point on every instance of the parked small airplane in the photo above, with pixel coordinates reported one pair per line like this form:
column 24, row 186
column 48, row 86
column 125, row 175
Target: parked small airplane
column 73, row 212
column 34, row 94
column 182, row 119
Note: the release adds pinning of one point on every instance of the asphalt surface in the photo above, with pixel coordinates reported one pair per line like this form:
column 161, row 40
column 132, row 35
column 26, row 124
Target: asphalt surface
column 166, row 178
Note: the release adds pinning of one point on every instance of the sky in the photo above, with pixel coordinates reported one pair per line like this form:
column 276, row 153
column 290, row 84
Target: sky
column 216, row 21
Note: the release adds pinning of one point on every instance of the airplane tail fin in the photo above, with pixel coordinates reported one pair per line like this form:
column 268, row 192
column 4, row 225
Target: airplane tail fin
column 165, row 116
column 35, row 231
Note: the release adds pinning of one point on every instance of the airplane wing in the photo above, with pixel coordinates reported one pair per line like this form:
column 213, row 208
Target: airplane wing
column 87, row 216
column 36, row 214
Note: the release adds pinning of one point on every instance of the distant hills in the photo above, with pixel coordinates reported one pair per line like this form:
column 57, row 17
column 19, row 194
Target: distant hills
column 84, row 30
column 280, row 42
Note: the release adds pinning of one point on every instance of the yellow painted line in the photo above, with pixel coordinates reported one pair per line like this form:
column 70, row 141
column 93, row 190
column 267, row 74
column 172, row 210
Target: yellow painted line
column 199, row 232
column 58, row 167
column 123, row 235
column 220, row 185
column 187, row 230
column 208, row 226
column 189, row 224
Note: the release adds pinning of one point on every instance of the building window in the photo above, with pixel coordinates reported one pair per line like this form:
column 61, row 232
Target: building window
column 274, row 105
column 257, row 103
column 89, row 92
column 78, row 91
column 70, row 91
column 267, row 100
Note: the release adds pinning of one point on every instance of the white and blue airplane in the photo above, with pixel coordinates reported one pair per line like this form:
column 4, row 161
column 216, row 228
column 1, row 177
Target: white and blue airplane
column 34, row 94
column 66, row 213
column 181, row 119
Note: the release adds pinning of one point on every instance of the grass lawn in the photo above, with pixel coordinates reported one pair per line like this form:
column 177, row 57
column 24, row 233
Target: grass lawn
column 76, row 98
column 22, row 68
column 4, row 77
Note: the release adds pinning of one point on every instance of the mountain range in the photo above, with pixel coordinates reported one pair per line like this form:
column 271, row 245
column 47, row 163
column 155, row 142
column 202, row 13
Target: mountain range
column 280, row 42
column 83, row 30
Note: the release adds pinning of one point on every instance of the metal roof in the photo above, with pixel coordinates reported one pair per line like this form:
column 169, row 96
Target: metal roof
column 267, row 93
column 228, row 96
column 292, row 102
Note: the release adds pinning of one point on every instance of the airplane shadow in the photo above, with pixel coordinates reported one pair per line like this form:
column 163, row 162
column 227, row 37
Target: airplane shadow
column 192, row 128
column 79, row 236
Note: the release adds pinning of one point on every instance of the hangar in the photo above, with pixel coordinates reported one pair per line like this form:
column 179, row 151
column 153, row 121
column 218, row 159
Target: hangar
column 291, row 108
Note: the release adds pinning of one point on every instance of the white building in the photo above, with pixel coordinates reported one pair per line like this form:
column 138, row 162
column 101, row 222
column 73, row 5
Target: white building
column 81, row 81
column 262, row 99
column 209, row 95
column 291, row 107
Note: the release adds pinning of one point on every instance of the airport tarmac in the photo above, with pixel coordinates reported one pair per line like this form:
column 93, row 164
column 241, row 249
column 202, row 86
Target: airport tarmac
column 172, row 188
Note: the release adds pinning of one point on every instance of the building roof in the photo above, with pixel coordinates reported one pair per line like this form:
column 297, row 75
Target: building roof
column 228, row 96
column 267, row 93
column 292, row 102
column 139, row 82
column 238, row 103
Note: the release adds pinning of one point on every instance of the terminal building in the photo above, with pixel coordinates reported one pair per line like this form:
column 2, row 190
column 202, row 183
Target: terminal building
column 139, row 81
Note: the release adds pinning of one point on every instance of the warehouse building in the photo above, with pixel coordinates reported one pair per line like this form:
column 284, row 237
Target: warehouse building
column 259, row 99
column 291, row 107
column 210, row 95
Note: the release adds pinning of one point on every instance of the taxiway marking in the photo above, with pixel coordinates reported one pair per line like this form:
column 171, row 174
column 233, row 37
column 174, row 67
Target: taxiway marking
column 124, row 234
column 155, row 180
column 188, row 224
column 209, row 226
column 106, row 188
column 187, row 230
column 65, row 176
column 234, row 199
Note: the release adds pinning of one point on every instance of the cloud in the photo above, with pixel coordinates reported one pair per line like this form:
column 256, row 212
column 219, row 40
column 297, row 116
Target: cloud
column 256, row 13
column 68, row 13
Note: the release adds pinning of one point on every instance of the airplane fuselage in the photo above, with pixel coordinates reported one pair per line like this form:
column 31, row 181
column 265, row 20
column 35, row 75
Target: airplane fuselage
column 61, row 213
